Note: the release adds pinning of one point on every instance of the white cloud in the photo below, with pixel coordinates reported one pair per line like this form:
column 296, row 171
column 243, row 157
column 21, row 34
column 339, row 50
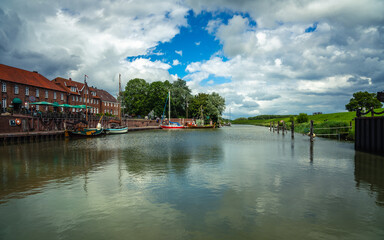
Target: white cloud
column 176, row 62
column 274, row 65
column 72, row 38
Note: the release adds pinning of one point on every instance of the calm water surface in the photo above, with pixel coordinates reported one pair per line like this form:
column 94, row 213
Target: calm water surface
column 240, row 182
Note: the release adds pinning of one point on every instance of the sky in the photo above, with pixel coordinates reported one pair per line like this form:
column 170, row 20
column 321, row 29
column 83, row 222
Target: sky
column 263, row 57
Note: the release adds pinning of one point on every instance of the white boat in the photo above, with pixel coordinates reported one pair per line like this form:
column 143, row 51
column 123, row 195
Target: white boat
column 116, row 130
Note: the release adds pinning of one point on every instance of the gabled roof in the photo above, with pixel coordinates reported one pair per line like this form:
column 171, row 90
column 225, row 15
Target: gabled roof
column 105, row 96
column 20, row 76
column 68, row 83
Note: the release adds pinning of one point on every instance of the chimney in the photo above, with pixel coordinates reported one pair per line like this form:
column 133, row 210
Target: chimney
column 70, row 79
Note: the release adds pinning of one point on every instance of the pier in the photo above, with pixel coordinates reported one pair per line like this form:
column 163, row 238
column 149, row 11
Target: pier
column 22, row 128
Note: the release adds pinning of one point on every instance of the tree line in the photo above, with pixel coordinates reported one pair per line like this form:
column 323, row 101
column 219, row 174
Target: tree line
column 141, row 98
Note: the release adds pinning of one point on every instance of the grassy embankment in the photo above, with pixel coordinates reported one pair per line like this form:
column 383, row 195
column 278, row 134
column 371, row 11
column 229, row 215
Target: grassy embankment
column 325, row 121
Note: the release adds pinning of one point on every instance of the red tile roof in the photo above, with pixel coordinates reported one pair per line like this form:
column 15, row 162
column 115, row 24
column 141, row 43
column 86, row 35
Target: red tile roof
column 67, row 84
column 105, row 96
column 17, row 75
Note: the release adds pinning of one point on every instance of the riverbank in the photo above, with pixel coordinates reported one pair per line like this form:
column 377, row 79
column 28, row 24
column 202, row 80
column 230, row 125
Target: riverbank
column 332, row 125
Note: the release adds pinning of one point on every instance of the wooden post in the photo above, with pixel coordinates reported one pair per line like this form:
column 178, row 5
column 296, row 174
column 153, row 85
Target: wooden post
column 311, row 132
column 273, row 126
column 270, row 126
column 283, row 127
column 278, row 126
column 293, row 129
column 372, row 112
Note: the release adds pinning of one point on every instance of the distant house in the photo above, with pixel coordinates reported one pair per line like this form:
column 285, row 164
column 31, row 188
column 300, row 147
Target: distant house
column 109, row 103
column 20, row 87
column 80, row 94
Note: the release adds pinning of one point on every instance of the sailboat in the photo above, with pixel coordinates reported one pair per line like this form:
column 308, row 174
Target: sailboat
column 171, row 125
column 115, row 126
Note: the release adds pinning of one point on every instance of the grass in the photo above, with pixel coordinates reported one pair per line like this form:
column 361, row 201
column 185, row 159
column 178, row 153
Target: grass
column 330, row 121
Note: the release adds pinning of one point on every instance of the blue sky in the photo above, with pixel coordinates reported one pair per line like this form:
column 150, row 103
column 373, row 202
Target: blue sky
column 192, row 44
column 263, row 57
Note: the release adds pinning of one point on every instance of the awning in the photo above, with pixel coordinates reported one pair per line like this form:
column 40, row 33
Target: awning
column 66, row 105
column 42, row 103
column 17, row 101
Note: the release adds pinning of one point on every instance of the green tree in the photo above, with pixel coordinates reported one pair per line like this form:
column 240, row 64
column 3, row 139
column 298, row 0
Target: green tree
column 157, row 95
column 361, row 100
column 211, row 106
column 180, row 93
column 136, row 97
column 302, row 118
column 215, row 106
column 195, row 104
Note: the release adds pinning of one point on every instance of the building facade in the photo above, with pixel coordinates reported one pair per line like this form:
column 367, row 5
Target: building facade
column 20, row 88
column 80, row 94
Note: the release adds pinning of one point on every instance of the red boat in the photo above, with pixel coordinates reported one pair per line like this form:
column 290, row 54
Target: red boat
column 171, row 125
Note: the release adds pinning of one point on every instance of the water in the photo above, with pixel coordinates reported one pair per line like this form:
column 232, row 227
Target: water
column 240, row 182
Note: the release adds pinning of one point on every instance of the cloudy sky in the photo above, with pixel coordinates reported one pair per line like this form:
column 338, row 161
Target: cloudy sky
column 263, row 57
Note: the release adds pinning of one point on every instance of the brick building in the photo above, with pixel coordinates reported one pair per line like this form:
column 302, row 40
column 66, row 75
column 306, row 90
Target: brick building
column 80, row 94
column 20, row 87
column 109, row 103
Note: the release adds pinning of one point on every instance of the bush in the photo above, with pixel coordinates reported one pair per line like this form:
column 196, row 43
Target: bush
column 302, row 118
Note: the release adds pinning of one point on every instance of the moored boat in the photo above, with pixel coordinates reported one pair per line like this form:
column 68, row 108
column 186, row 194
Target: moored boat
column 170, row 125
column 84, row 132
column 117, row 130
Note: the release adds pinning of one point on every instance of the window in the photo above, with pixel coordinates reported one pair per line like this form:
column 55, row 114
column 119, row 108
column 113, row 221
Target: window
column 54, row 95
column 62, row 96
column 46, row 93
column 4, row 87
column 37, row 107
column 77, row 98
column 37, row 92
column 4, row 102
column 26, row 91
column 16, row 89
column 73, row 98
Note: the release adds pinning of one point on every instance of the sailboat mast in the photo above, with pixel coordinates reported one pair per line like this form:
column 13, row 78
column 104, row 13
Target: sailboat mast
column 119, row 97
column 169, row 108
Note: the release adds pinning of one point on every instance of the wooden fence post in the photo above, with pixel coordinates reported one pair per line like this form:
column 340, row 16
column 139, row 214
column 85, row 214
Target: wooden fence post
column 311, row 132
column 273, row 126
column 293, row 129
column 270, row 127
column 278, row 126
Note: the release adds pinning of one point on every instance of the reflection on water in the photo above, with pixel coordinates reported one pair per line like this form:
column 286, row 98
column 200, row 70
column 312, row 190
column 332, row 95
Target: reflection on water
column 369, row 174
column 242, row 182
column 26, row 168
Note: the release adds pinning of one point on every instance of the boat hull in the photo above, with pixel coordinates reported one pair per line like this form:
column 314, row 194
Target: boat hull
column 86, row 132
column 171, row 127
column 116, row 130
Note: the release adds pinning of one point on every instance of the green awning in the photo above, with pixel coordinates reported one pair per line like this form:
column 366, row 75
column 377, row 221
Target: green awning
column 17, row 101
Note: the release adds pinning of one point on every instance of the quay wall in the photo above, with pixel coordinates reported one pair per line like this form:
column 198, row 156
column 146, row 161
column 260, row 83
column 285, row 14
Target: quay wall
column 26, row 123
